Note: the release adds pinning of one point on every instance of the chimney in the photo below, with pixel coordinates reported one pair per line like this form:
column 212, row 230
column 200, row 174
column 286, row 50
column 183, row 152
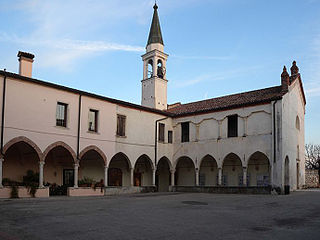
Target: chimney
column 285, row 79
column 25, row 66
column 294, row 69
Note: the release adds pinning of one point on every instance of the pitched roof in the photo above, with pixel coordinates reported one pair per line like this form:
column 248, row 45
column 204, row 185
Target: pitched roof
column 229, row 102
column 155, row 35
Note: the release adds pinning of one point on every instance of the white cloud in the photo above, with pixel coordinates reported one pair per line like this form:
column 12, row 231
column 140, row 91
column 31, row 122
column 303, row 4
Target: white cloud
column 216, row 76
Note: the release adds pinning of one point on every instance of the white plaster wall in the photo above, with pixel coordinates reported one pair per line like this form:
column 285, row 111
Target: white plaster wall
column 148, row 92
column 104, row 139
column 252, row 136
column 31, row 112
column 293, row 106
column 140, row 135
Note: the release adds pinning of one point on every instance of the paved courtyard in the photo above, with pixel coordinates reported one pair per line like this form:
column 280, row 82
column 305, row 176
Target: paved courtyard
column 163, row 216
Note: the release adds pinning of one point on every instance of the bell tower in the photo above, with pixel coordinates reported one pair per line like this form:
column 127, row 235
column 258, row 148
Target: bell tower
column 154, row 83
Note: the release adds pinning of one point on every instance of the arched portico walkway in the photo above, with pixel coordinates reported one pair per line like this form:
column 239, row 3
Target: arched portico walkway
column 144, row 171
column 60, row 168
column 120, row 172
column 20, row 156
column 232, row 171
column 163, row 174
column 208, row 175
column 185, row 174
column 258, row 170
column 92, row 165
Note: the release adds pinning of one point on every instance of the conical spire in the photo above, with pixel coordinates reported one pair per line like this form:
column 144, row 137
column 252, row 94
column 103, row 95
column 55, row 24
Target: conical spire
column 155, row 35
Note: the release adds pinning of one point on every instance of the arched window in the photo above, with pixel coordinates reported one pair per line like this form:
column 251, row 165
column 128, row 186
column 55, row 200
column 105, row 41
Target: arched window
column 160, row 69
column 150, row 68
column 297, row 123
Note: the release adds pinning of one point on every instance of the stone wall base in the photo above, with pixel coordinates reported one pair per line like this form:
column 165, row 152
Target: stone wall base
column 128, row 190
column 224, row 190
column 23, row 192
column 85, row 191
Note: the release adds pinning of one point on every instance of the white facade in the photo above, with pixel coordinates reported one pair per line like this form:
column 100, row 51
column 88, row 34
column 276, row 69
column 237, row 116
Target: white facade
column 267, row 134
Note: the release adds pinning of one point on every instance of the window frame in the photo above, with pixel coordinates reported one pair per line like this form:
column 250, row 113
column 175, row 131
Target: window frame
column 170, row 136
column 185, row 137
column 64, row 123
column 161, row 131
column 233, row 132
column 124, row 122
column 96, row 114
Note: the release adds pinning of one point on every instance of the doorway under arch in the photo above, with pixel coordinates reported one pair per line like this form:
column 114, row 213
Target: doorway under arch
column 119, row 170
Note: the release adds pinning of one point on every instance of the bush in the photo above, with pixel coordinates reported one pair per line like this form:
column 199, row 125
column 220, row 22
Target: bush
column 86, row 181
column 31, row 181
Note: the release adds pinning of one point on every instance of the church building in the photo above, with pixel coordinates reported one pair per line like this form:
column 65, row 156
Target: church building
column 78, row 143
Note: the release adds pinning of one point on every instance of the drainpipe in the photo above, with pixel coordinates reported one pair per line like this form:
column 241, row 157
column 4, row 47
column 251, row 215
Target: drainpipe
column 79, row 122
column 156, row 140
column 3, row 108
column 274, row 131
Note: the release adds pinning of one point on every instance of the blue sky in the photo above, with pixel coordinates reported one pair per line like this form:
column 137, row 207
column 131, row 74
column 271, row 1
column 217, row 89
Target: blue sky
column 215, row 47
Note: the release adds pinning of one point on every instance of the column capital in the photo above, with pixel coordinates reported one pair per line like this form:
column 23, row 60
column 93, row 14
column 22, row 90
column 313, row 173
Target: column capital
column 1, row 159
column 76, row 165
column 41, row 163
column 172, row 171
column 106, row 166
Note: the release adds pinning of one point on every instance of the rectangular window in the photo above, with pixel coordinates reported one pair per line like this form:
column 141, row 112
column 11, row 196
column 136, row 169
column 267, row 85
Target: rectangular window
column 170, row 136
column 61, row 114
column 161, row 132
column 93, row 120
column 121, row 125
column 233, row 126
column 185, row 132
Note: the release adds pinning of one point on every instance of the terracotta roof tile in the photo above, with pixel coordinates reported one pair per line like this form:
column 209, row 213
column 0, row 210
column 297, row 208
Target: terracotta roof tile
column 229, row 102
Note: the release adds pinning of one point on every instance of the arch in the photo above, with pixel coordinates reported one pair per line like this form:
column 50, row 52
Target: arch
column 163, row 174
column 25, row 140
column 150, row 68
column 298, row 123
column 232, row 155
column 121, row 154
column 164, row 158
column 185, row 174
column 258, row 153
column 21, row 155
column 93, row 148
column 258, row 169
column 146, row 157
column 175, row 163
column 232, row 170
column 60, row 144
column 119, row 170
column 207, row 156
column 208, row 171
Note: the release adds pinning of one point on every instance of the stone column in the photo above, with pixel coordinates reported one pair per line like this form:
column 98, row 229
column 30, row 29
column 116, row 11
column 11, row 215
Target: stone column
column 220, row 176
column 197, row 176
column 1, row 161
column 131, row 176
column 105, row 176
column 41, row 164
column 153, row 177
column 76, row 168
column 172, row 177
column 244, row 176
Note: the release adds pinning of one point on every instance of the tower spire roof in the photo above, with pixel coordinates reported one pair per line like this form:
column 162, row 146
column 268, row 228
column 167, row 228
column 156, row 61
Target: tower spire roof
column 155, row 35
